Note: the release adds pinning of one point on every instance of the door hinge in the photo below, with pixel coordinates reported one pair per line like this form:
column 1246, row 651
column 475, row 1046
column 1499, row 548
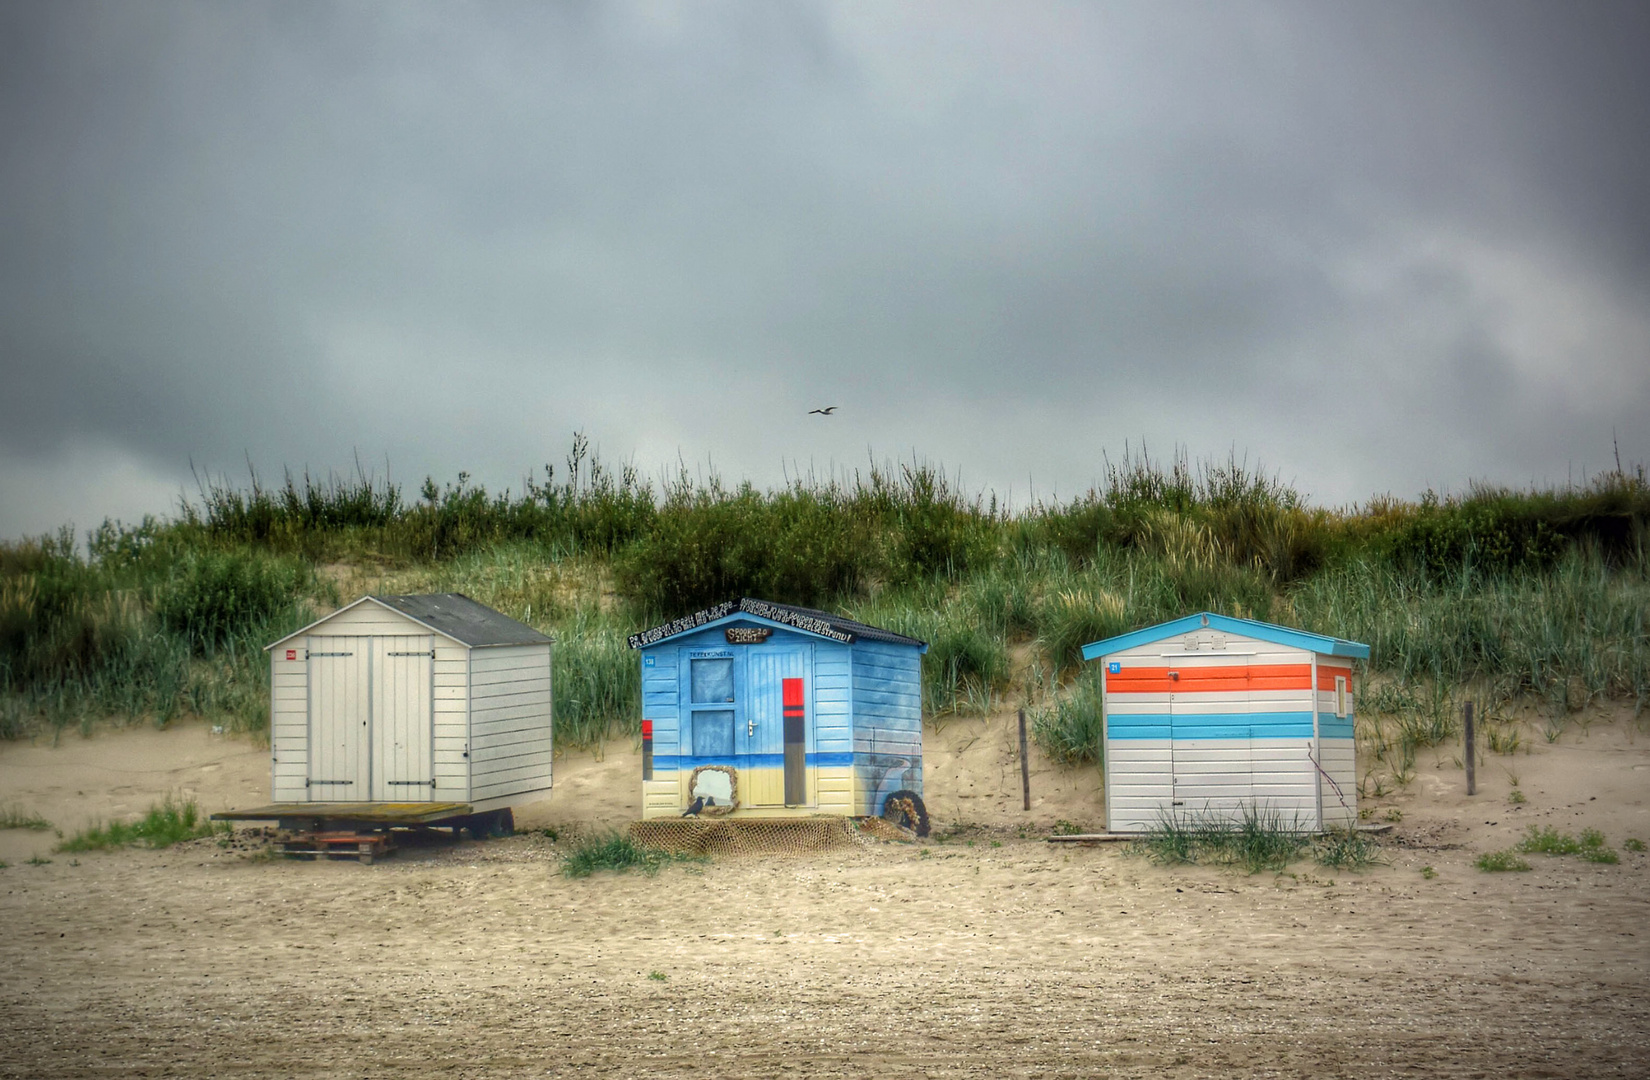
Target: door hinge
column 409, row 783
column 328, row 783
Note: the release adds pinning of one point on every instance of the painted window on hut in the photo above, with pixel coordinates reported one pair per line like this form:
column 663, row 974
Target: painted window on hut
column 712, row 680
column 711, row 683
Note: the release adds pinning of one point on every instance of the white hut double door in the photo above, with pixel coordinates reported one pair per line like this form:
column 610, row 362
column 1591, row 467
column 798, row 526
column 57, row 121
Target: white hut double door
column 371, row 719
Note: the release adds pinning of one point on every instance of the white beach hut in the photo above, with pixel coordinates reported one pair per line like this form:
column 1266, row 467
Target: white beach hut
column 1213, row 717
column 408, row 699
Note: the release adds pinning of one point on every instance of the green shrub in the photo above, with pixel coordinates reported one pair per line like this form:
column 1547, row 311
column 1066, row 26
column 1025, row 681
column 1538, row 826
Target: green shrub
column 1496, row 862
column 214, row 597
column 15, row 817
column 612, row 851
column 597, row 681
column 169, row 823
column 1260, row 840
column 1071, row 729
column 1346, row 849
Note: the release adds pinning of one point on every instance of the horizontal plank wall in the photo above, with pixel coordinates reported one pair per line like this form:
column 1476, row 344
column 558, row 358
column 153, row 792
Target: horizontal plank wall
column 1193, row 730
column 370, row 619
column 1337, row 748
column 289, row 724
column 661, row 694
column 832, row 724
column 887, row 719
column 451, row 719
column 510, row 744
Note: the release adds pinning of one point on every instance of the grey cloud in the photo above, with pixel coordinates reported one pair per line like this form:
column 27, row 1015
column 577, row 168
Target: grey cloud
column 450, row 236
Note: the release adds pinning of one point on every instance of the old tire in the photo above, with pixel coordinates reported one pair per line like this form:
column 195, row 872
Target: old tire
column 905, row 809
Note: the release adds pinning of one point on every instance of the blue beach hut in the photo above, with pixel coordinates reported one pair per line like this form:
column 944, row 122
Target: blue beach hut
column 757, row 709
column 1214, row 717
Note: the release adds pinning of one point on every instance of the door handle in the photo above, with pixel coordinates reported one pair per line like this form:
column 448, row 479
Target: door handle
column 750, row 727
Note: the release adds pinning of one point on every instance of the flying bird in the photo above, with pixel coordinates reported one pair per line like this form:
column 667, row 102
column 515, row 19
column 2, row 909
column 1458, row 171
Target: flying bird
column 826, row 411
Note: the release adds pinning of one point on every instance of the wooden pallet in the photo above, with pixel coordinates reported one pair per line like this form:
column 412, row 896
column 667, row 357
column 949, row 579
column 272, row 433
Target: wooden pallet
column 338, row 845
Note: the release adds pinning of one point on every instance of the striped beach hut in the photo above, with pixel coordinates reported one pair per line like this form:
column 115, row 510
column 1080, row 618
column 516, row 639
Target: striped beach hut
column 1214, row 717
column 757, row 709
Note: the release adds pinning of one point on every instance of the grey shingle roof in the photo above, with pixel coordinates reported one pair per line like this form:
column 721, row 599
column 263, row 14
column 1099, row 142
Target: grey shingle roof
column 808, row 620
column 461, row 618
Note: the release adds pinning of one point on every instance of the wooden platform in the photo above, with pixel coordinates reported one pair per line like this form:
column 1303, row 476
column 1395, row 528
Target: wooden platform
column 378, row 813
column 347, row 844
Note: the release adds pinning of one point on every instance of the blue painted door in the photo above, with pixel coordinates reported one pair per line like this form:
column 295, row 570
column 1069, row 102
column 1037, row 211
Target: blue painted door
column 762, row 737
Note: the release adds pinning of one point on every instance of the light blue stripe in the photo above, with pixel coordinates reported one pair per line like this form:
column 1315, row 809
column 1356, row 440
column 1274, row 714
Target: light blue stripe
column 1267, row 725
column 745, row 761
column 1331, row 726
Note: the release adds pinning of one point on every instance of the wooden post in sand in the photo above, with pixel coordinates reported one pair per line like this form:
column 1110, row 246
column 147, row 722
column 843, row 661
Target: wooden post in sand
column 1472, row 756
column 1025, row 764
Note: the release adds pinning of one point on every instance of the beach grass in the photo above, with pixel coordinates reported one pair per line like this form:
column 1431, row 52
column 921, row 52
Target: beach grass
column 172, row 821
column 1542, row 594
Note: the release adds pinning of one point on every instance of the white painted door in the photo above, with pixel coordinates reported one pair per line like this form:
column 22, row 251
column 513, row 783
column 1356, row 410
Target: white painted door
column 403, row 691
column 339, row 708
column 1210, row 751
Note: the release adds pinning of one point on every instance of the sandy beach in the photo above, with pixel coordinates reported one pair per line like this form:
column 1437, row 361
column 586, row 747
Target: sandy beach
column 990, row 953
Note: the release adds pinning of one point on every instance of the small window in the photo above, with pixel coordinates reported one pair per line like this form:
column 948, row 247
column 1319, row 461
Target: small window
column 1340, row 696
column 713, row 733
column 713, row 681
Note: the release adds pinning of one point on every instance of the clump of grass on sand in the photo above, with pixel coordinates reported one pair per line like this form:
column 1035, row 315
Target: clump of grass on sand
column 171, row 822
column 1549, row 841
column 15, row 817
column 1261, row 840
column 1496, row 862
column 613, row 851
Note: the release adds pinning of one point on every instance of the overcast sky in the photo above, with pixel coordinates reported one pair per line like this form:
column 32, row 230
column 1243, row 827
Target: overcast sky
column 1375, row 247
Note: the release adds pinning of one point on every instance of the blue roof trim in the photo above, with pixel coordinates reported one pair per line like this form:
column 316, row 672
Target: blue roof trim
column 1279, row 635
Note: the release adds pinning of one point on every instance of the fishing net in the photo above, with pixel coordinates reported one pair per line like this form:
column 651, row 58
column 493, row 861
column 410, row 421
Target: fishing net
column 760, row 836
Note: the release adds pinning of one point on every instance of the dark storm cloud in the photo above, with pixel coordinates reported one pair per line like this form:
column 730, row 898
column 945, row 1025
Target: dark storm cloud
column 1376, row 246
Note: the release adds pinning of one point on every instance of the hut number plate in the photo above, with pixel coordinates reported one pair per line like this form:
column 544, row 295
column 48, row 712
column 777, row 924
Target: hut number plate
column 747, row 635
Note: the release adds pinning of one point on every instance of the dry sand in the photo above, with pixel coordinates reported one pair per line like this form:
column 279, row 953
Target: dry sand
column 986, row 955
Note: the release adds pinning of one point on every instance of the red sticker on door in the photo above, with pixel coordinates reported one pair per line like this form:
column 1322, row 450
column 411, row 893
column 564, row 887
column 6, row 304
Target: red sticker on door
column 292, row 654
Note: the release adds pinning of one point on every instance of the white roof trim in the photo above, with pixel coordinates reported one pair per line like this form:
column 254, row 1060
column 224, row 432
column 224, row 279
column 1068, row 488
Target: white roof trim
column 357, row 603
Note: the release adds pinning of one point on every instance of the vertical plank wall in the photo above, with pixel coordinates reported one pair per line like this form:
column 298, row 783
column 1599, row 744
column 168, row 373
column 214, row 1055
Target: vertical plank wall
column 887, row 711
column 510, row 721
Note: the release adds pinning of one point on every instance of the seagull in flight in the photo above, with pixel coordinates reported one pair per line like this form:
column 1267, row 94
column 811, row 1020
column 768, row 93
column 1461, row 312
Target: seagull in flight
column 826, row 411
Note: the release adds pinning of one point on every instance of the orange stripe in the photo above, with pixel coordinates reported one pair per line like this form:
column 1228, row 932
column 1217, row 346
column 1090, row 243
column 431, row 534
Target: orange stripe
column 1206, row 680
column 1327, row 677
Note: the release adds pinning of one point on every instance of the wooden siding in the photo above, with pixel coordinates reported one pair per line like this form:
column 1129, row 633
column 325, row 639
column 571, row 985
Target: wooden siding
column 887, row 720
column 844, row 677
column 288, row 724
column 511, row 727
column 1209, row 722
column 371, row 619
column 506, row 752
